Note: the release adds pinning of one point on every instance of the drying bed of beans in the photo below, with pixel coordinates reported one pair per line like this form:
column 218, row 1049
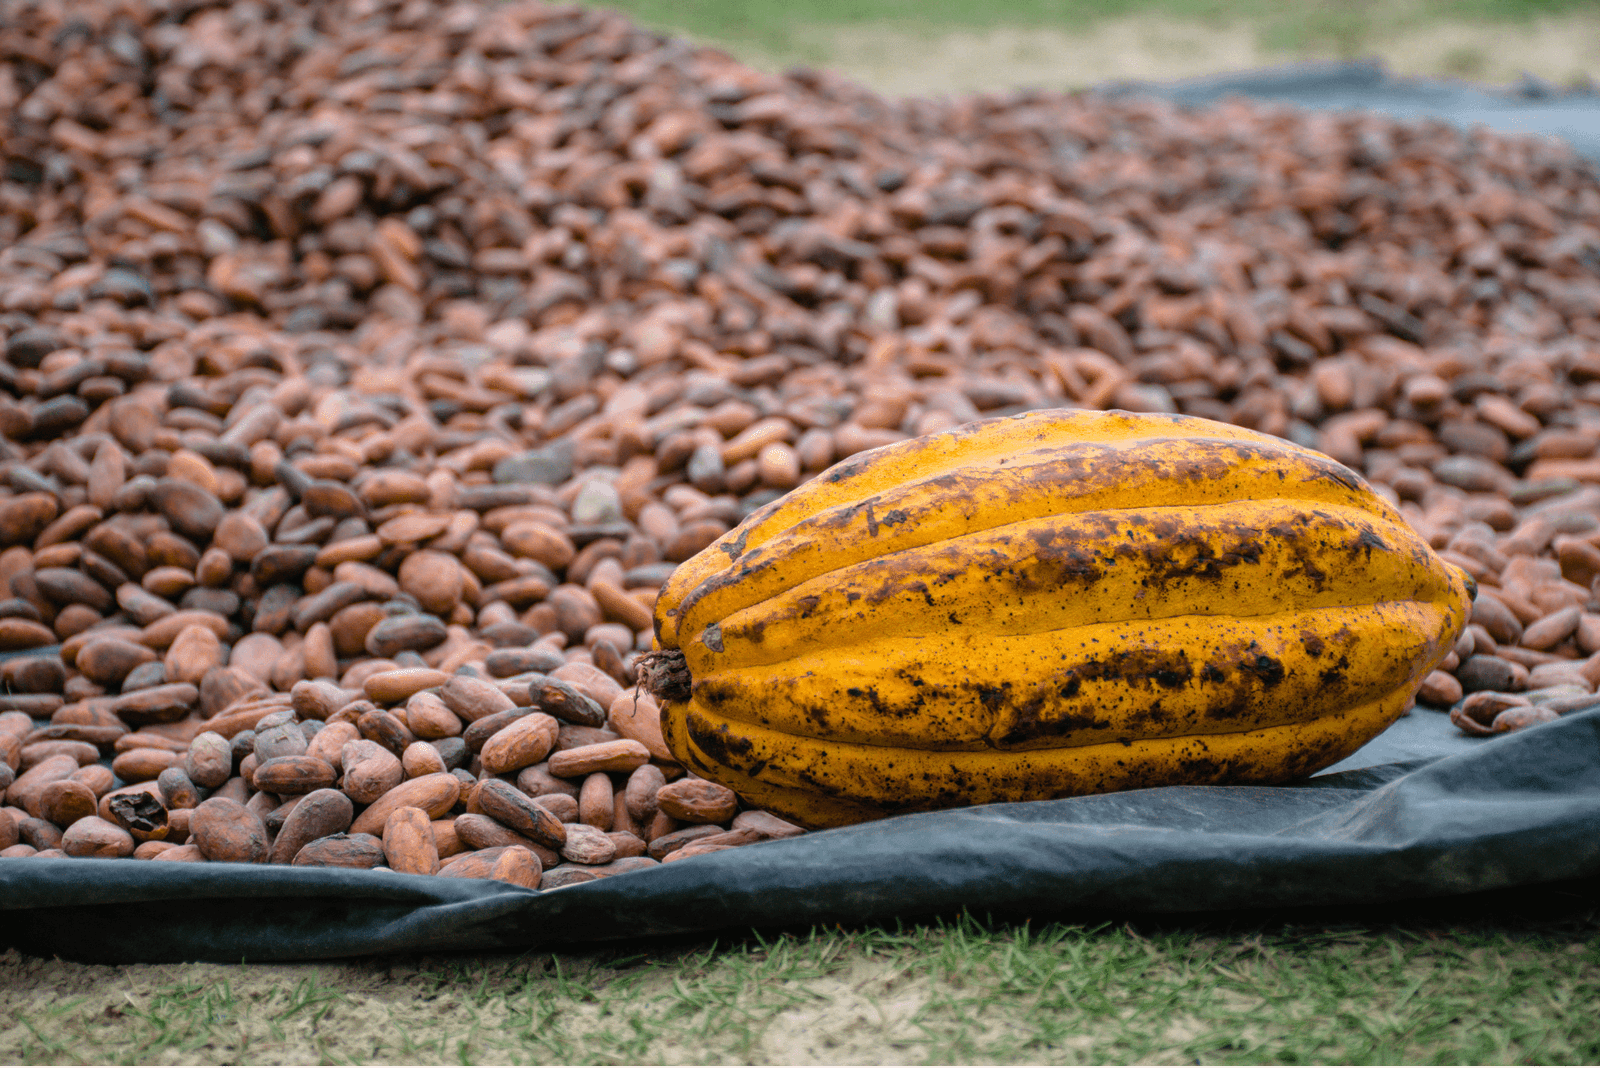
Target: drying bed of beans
column 368, row 367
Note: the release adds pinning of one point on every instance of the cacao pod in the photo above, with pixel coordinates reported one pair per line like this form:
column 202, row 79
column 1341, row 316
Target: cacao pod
column 1046, row 605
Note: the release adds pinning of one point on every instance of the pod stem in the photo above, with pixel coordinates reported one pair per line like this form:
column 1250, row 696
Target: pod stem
column 664, row 674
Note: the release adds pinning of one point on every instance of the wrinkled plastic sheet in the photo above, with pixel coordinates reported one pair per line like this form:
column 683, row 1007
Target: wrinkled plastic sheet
column 1530, row 107
column 1420, row 812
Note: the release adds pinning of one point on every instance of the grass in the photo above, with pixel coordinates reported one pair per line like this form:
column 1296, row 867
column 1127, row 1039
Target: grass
column 1339, row 27
column 1510, row 978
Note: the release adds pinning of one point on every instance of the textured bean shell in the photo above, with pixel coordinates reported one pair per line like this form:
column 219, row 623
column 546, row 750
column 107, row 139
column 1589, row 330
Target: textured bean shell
column 228, row 831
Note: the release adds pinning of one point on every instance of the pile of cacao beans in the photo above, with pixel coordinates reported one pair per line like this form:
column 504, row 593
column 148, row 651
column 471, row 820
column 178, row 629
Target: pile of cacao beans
column 370, row 364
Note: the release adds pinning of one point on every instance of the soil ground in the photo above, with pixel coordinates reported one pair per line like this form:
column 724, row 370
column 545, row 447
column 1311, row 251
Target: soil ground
column 1399, row 985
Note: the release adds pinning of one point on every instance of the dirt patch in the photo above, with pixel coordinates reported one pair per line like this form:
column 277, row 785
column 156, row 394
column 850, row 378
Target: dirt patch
column 866, row 1016
column 897, row 61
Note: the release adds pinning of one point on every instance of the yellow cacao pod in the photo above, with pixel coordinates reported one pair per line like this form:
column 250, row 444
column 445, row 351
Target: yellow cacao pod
column 1052, row 604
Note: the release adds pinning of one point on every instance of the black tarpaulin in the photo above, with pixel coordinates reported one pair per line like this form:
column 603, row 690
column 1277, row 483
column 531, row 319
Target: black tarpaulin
column 1515, row 810
column 1420, row 812
column 1530, row 107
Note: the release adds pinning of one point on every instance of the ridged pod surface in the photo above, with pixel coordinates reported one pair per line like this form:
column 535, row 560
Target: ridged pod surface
column 1051, row 604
